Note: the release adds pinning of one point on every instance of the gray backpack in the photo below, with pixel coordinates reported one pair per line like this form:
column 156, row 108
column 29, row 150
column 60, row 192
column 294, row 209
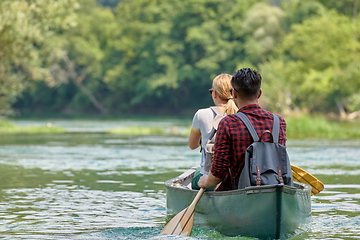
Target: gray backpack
column 266, row 163
column 208, row 151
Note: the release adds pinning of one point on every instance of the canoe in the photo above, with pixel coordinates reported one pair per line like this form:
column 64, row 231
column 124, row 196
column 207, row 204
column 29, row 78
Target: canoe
column 264, row 212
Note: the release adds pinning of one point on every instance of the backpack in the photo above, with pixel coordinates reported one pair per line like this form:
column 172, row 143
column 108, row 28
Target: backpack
column 266, row 163
column 208, row 150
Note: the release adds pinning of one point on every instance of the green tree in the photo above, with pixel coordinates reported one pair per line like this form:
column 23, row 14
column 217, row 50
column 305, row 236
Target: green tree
column 264, row 27
column 110, row 3
column 30, row 43
column 78, row 74
column 168, row 52
column 298, row 11
column 87, row 51
column 150, row 55
column 350, row 8
column 319, row 59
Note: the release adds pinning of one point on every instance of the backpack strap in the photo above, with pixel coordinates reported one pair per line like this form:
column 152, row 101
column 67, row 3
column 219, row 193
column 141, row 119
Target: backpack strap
column 218, row 115
column 214, row 110
column 276, row 129
column 213, row 130
column 212, row 133
column 250, row 127
column 217, row 111
column 248, row 124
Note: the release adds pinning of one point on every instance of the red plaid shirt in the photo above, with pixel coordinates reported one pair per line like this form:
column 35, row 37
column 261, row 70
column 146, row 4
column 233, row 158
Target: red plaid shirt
column 232, row 139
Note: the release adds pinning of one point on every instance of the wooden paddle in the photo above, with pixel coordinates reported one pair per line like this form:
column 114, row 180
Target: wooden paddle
column 183, row 222
column 300, row 175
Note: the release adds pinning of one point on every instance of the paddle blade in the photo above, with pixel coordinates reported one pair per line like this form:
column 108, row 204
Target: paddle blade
column 181, row 224
column 300, row 175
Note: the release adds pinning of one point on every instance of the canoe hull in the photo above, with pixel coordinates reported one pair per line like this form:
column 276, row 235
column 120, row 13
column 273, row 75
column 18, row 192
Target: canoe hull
column 265, row 212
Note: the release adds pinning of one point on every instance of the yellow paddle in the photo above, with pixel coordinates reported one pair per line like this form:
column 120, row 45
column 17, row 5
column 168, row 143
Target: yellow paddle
column 183, row 222
column 300, row 175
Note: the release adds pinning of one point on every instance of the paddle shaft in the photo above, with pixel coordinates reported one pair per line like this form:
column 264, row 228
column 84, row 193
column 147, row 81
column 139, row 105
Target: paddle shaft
column 197, row 197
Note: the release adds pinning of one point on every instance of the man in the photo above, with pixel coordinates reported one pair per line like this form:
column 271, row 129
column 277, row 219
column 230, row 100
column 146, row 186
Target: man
column 232, row 136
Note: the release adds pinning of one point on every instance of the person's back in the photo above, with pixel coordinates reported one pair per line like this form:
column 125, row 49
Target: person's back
column 232, row 140
column 233, row 137
column 203, row 121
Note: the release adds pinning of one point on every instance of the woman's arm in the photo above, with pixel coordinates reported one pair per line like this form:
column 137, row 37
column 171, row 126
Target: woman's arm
column 194, row 139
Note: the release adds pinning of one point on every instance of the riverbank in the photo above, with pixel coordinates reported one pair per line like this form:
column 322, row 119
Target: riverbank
column 7, row 127
column 298, row 127
column 306, row 126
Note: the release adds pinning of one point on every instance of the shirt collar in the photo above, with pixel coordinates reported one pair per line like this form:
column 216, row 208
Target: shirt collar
column 249, row 108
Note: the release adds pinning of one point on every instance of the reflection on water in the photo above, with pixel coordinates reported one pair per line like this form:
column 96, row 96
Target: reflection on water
column 93, row 185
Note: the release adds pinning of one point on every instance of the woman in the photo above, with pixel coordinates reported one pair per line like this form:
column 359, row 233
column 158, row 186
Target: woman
column 202, row 124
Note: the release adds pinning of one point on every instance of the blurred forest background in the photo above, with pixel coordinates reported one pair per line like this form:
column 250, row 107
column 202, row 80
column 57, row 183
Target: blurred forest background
column 159, row 57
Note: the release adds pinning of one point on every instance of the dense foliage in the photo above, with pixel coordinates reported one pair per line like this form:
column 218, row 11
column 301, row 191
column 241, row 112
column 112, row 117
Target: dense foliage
column 152, row 56
column 29, row 43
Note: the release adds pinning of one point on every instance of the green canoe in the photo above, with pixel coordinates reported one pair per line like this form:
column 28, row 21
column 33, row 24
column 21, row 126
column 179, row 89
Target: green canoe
column 264, row 212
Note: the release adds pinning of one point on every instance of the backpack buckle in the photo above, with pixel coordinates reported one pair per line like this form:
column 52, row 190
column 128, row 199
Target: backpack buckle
column 258, row 176
column 281, row 180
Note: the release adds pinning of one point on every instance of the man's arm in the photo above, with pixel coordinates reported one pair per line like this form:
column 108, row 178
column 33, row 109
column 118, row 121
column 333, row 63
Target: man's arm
column 207, row 181
column 282, row 137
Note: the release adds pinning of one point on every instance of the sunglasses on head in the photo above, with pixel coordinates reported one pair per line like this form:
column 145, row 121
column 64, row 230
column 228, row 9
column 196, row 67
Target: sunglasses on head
column 231, row 90
column 211, row 90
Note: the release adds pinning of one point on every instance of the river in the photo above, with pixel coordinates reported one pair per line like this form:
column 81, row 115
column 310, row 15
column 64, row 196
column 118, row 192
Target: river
column 88, row 184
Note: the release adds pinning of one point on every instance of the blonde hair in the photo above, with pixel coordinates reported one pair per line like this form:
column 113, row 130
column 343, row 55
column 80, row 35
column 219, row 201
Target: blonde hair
column 221, row 85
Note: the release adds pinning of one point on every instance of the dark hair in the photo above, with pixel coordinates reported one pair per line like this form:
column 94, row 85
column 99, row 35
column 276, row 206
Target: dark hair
column 246, row 82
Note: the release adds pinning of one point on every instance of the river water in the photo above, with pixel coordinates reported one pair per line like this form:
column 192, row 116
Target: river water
column 88, row 184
